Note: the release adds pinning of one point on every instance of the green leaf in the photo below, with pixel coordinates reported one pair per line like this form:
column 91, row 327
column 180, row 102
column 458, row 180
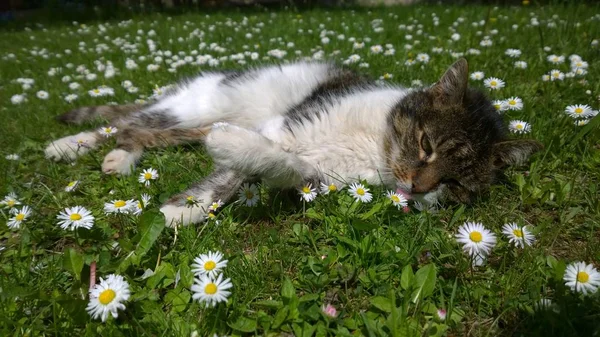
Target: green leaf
column 372, row 212
column 424, row 282
column 150, row 226
column 269, row 304
column 287, row 290
column 382, row 303
column 243, row 324
column 407, row 277
column 280, row 317
column 309, row 297
column 363, row 225
column 304, row 330
column 73, row 262
column 178, row 298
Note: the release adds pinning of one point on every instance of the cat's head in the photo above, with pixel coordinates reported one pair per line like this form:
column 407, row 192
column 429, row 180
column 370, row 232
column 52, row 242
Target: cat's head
column 449, row 138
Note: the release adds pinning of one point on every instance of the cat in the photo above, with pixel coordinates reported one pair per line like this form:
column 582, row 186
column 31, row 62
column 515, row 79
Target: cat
column 312, row 122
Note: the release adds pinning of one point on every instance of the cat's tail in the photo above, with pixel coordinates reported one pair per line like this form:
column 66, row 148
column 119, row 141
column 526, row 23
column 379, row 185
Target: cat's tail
column 110, row 112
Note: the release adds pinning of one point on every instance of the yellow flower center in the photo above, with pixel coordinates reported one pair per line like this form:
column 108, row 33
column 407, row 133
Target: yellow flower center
column 518, row 233
column 475, row 236
column 395, row 198
column 209, row 265
column 305, row 190
column 75, row 217
column 139, row 205
column 332, row 188
column 211, row 215
column 578, row 110
column 215, row 205
column 583, row 277
column 96, row 91
column 20, row 217
column 210, row 289
column 119, row 203
column 11, row 203
column 497, row 106
column 147, row 176
column 360, row 191
column 107, row 296
column 493, row 83
column 71, row 184
column 519, row 126
column 108, row 130
column 387, row 76
column 249, row 195
column 512, row 102
column 190, row 198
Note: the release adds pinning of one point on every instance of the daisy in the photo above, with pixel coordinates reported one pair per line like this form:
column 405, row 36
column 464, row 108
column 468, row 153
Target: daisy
column 19, row 216
column 107, row 296
column 513, row 52
column 500, row 105
column 140, row 205
column 398, row 200
column 209, row 291
column 476, row 240
column 360, row 193
column 520, row 236
column 307, row 193
column 119, row 206
column 147, row 175
column 248, row 194
column 71, row 97
column 521, row 65
column 210, row 264
column 75, row 217
column 579, row 110
column 71, row 186
column 555, row 59
column 423, row 58
column 42, row 94
column 108, row 131
column 12, row 156
column 582, row 277
column 326, row 189
column 477, row 76
column 215, row 205
column 556, row 75
column 581, row 122
column 515, row 103
column 329, row 310
column 493, row 83
column 517, row 126
column 10, row 201
column 17, row 99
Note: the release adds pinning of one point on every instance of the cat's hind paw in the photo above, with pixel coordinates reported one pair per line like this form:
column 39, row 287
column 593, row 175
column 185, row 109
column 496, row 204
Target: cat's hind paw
column 182, row 215
column 70, row 147
column 229, row 145
column 119, row 162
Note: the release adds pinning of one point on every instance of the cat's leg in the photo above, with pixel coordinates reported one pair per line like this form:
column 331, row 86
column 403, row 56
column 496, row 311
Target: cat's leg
column 253, row 154
column 191, row 206
column 131, row 143
column 70, row 147
column 89, row 113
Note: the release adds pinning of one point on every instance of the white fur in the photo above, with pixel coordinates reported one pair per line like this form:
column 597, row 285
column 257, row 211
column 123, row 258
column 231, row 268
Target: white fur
column 185, row 215
column 182, row 215
column 67, row 148
column 120, row 162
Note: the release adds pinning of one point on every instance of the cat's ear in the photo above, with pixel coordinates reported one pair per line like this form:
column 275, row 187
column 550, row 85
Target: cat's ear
column 451, row 88
column 514, row 152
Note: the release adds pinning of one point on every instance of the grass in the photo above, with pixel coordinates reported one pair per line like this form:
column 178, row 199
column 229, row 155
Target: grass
column 385, row 271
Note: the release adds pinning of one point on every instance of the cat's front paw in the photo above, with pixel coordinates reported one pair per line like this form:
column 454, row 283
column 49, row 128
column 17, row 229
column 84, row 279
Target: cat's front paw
column 119, row 162
column 71, row 147
column 182, row 215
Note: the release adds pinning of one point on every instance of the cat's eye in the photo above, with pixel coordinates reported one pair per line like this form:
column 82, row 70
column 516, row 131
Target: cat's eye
column 426, row 146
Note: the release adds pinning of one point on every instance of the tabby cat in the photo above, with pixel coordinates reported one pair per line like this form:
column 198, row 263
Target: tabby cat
column 315, row 123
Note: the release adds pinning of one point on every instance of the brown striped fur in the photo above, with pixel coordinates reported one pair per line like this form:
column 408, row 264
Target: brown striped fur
column 111, row 113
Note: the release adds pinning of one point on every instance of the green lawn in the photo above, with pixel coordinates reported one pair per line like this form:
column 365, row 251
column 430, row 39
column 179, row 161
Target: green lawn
column 385, row 271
